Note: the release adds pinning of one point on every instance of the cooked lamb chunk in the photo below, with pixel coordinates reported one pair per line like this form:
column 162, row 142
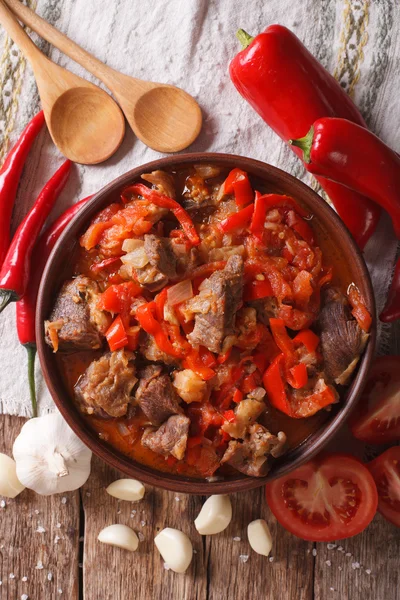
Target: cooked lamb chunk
column 152, row 352
column 190, row 387
column 156, row 396
column 246, row 412
column 216, row 305
column 250, row 456
column 266, row 308
column 170, row 438
column 105, row 387
column 75, row 317
column 342, row 339
column 162, row 181
column 161, row 266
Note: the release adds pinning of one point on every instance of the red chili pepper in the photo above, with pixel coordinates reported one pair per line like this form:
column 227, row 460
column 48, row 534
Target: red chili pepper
column 239, row 219
column 238, row 183
column 308, row 338
column 26, row 307
column 10, row 175
column 345, row 152
column 166, row 202
column 391, row 312
column 290, row 90
column 15, row 270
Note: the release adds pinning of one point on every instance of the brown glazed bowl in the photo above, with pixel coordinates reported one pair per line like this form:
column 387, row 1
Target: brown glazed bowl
column 57, row 270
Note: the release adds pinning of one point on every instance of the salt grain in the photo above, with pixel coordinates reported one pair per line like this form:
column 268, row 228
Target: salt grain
column 332, row 589
column 39, row 565
column 328, row 563
column 64, row 500
column 80, row 565
column 57, row 539
column 340, row 549
column 355, row 565
column 88, row 494
column 340, row 568
column 194, row 551
column 244, row 558
column 166, row 567
column 81, row 539
column 271, row 559
column 177, row 498
column 12, row 576
column 140, row 536
column 24, row 597
column 50, row 576
column 118, row 511
column 348, row 554
column 60, row 591
column 142, row 523
column 40, row 529
column 331, row 546
column 237, row 539
column 314, row 552
column 368, row 571
column 1, row 583
column 24, row 579
column 37, row 512
column 3, row 504
column 58, row 525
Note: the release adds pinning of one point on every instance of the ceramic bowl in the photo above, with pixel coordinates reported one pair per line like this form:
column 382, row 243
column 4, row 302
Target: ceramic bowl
column 56, row 271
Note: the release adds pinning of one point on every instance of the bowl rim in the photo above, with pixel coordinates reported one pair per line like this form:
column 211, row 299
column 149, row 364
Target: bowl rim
column 295, row 456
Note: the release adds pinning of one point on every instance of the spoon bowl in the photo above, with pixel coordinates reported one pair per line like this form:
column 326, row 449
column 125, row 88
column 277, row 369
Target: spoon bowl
column 85, row 123
column 76, row 108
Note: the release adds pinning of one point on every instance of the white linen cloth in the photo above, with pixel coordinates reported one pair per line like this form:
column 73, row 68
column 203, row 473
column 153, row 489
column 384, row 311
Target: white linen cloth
column 190, row 43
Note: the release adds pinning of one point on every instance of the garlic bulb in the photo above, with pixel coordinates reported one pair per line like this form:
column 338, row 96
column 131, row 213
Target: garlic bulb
column 10, row 486
column 50, row 458
column 119, row 535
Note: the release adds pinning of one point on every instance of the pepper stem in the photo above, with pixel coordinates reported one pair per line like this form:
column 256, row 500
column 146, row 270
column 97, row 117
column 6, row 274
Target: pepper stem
column 244, row 38
column 31, row 350
column 6, row 296
column 305, row 144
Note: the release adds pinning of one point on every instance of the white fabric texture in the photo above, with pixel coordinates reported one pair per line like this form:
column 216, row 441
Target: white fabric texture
column 190, row 43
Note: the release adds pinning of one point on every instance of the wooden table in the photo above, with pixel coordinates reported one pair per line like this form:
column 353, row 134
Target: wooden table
column 49, row 549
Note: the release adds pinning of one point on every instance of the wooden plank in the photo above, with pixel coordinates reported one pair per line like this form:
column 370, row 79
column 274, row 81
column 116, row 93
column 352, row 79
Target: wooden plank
column 47, row 559
column 365, row 567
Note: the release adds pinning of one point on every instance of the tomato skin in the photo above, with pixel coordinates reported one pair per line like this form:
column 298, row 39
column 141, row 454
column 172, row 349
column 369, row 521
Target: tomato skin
column 376, row 419
column 385, row 470
column 328, row 476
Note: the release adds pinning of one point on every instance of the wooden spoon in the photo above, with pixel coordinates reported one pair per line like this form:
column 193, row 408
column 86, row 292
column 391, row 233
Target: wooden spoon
column 163, row 116
column 84, row 121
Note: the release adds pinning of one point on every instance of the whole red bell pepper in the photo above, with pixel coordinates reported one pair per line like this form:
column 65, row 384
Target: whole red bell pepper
column 290, row 89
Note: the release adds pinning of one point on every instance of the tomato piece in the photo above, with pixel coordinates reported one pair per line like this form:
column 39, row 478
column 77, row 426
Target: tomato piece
column 386, row 472
column 302, row 288
column 116, row 335
column 331, row 497
column 377, row 416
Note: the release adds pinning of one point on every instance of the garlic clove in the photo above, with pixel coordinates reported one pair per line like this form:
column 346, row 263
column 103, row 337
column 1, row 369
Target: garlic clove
column 260, row 538
column 10, row 486
column 175, row 548
column 50, row 457
column 126, row 489
column 119, row 535
column 215, row 515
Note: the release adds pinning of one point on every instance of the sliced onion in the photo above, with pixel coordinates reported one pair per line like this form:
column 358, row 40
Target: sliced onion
column 122, row 428
column 137, row 258
column 131, row 244
column 225, row 252
column 180, row 292
column 207, row 171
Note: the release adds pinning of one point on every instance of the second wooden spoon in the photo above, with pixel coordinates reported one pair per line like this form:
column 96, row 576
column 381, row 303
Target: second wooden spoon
column 164, row 117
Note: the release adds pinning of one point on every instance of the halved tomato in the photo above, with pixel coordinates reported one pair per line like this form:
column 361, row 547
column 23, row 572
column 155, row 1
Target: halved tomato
column 386, row 471
column 377, row 416
column 331, row 497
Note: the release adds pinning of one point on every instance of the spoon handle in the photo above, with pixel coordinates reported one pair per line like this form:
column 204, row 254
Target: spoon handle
column 22, row 39
column 106, row 74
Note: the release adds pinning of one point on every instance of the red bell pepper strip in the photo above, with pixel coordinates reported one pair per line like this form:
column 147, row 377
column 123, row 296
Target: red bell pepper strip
column 257, row 289
column 267, row 202
column 118, row 298
column 206, row 270
column 308, row 338
column 104, row 264
column 275, row 387
column 290, row 90
column 193, row 361
column 359, row 312
column 10, row 175
column 26, row 307
column 297, row 376
column 238, row 183
column 347, row 153
column 148, row 322
column 14, row 274
column 116, row 334
column 237, row 396
column 281, row 337
column 229, row 416
column 165, row 202
column 391, row 312
column 222, row 358
column 239, row 219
